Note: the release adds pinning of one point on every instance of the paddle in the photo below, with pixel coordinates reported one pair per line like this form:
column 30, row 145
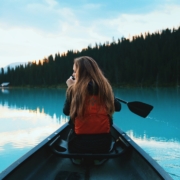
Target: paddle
column 139, row 108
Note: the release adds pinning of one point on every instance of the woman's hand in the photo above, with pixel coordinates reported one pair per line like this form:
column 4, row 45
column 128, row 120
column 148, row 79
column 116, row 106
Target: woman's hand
column 70, row 81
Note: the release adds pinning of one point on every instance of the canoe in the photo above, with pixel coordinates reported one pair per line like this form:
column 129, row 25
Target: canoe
column 5, row 84
column 51, row 160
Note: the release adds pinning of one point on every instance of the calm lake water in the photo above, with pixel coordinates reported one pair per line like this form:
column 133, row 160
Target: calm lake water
column 27, row 116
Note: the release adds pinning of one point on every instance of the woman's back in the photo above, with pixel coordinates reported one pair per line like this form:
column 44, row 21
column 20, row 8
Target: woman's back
column 90, row 104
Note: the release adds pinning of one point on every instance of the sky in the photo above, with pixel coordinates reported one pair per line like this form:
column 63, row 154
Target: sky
column 32, row 30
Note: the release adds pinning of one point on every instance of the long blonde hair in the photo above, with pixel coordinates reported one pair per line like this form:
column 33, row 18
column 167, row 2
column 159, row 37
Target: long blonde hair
column 88, row 70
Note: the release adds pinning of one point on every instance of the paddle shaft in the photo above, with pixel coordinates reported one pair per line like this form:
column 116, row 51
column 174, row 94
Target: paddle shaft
column 122, row 101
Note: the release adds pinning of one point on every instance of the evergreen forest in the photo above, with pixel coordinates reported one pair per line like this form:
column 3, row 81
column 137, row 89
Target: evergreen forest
column 145, row 60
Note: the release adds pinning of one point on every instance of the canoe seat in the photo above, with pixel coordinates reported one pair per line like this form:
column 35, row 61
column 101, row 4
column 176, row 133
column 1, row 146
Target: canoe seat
column 60, row 148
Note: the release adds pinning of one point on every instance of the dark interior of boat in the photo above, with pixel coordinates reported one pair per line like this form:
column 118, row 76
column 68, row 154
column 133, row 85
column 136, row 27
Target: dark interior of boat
column 52, row 161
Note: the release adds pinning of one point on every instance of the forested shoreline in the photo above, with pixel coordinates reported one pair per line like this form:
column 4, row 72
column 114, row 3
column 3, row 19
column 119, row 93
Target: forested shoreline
column 146, row 60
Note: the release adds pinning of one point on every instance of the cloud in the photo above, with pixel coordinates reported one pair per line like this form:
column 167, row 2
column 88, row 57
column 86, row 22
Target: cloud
column 48, row 6
column 52, row 3
column 91, row 6
column 26, row 44
column 58, row 28
column 135, row 24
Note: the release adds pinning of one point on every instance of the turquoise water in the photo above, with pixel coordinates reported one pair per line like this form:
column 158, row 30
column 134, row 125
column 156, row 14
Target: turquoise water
column 28, row 116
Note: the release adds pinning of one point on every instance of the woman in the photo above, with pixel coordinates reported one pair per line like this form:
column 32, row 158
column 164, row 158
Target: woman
column 90, row 103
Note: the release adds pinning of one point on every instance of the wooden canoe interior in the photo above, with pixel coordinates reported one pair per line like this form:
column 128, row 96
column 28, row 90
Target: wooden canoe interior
column 45, row 165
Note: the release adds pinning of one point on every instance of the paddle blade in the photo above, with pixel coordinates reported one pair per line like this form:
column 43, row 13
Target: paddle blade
column 140, row 108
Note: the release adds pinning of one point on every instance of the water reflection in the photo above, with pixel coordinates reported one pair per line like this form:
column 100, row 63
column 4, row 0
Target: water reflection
column 29, row 116
column 158, row 134
column 166, row 153
column 35, row 100
column 25, row 138
column 4, row 90
column 162, row 122
column 26, row 118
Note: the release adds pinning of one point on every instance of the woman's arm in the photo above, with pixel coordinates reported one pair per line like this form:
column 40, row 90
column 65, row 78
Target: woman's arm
column 66, row 108
column 67, row 105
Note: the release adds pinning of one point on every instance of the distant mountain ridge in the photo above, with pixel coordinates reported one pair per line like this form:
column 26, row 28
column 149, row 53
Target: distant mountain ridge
column 13, row 65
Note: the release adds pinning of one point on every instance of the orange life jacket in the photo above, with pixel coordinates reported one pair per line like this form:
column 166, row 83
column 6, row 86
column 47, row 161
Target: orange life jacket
column 95, row 119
